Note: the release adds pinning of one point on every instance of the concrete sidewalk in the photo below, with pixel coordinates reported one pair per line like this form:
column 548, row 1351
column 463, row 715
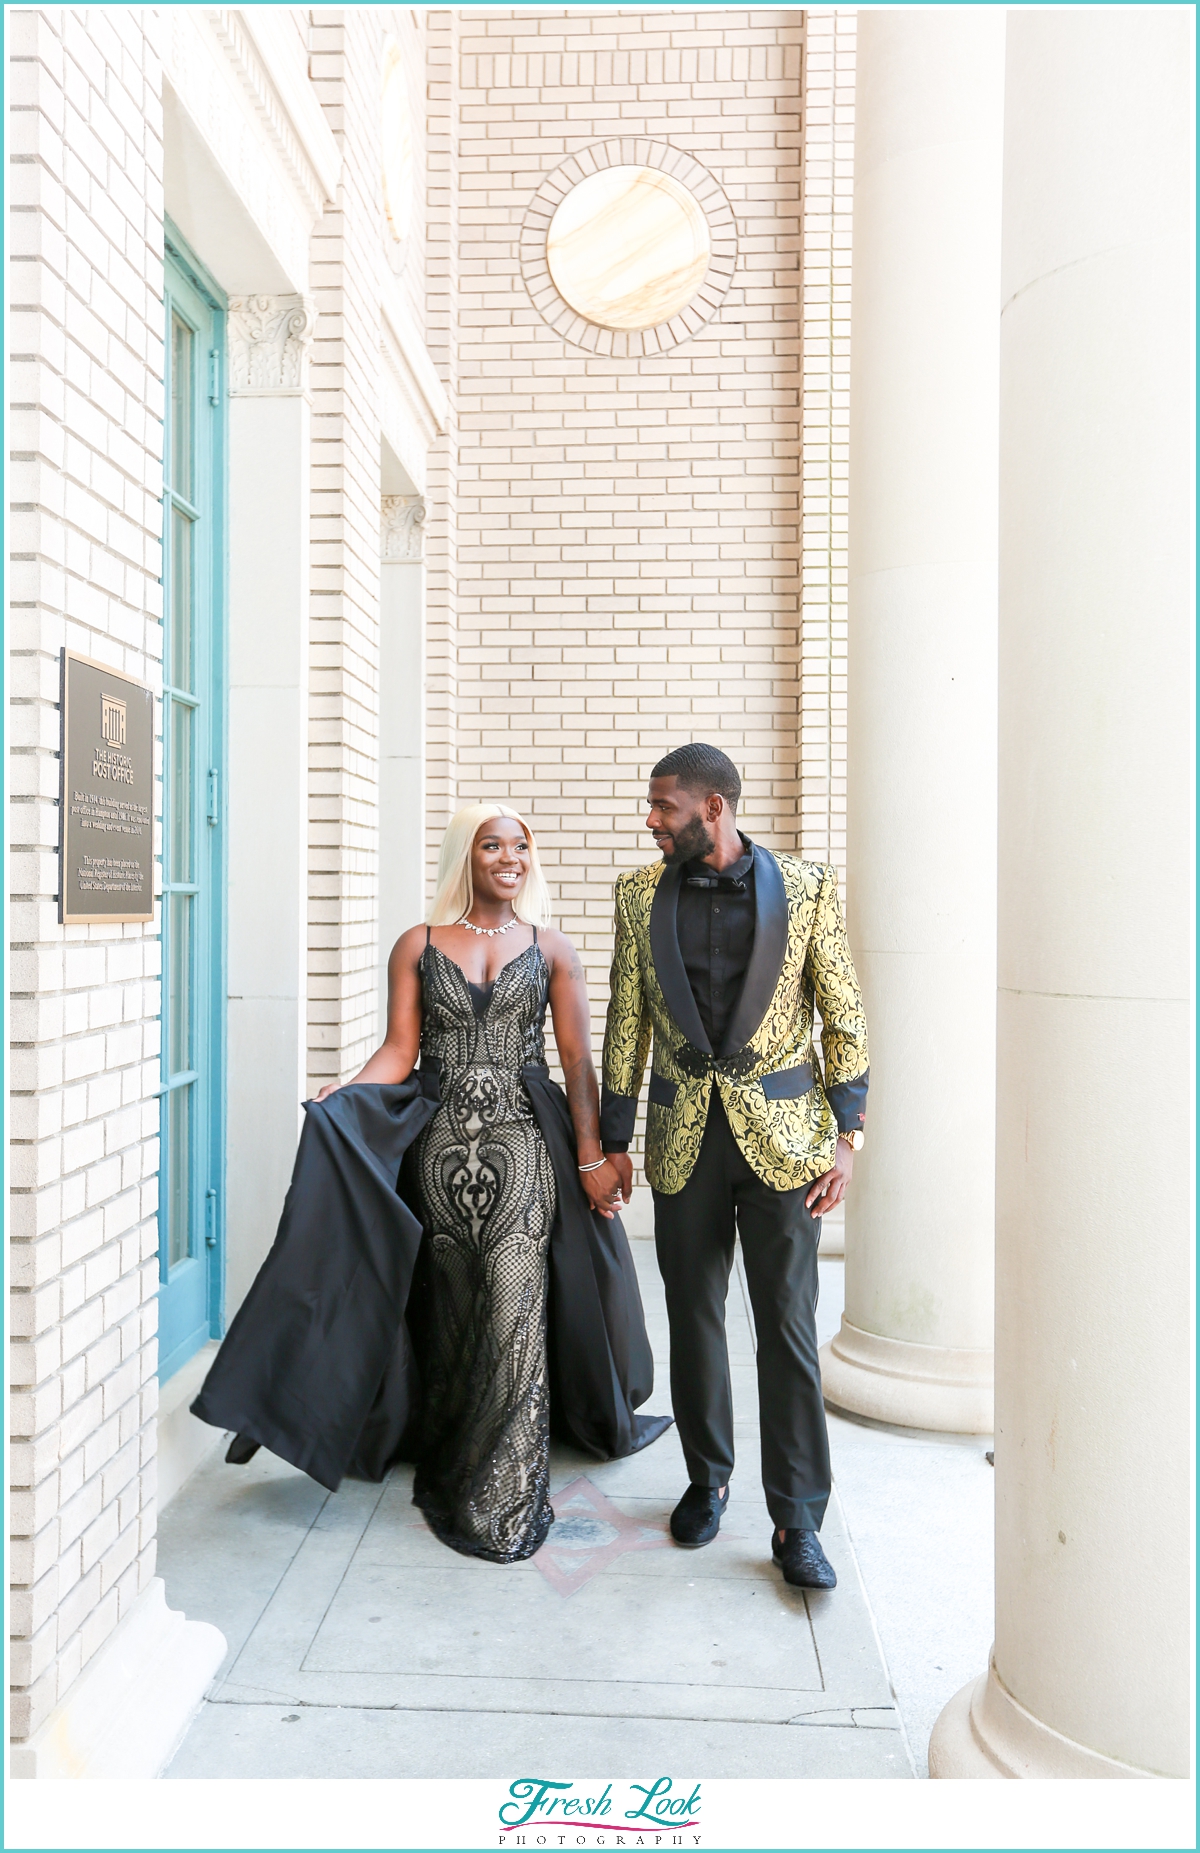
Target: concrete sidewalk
column 361, row 1647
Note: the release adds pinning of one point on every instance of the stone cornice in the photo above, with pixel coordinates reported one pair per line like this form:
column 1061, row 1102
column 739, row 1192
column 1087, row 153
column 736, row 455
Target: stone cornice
column 230, row 101
column 283, row 98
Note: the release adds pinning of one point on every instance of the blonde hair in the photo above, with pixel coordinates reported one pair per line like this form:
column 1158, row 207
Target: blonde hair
column 455, row 894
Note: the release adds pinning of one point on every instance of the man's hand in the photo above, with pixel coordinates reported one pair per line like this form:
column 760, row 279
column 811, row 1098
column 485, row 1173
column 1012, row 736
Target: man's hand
column 828, row 1191
column 622, row 1164
column 603, row 1189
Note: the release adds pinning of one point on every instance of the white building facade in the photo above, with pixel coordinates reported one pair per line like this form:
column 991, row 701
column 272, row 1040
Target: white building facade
column 220, row 397
column 305, row 438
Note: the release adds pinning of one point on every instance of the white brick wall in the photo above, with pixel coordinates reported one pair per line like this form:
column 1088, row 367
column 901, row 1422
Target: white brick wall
column 830, row 34
column 409, row 27
column 347, row 260
column 624, row 532
column 443, row 269
column 351, row 255
column 84, row 433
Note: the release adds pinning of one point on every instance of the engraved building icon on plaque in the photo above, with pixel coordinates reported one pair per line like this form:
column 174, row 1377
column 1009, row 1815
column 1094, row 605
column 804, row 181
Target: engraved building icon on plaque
column 112, row 720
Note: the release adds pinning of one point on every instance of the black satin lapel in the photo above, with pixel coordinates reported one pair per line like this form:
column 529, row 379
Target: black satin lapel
column 669, row 967
column 767, row 955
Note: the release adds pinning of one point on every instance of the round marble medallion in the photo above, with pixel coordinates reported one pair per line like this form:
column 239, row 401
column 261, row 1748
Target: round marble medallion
column 628, row 247
column 634, row 228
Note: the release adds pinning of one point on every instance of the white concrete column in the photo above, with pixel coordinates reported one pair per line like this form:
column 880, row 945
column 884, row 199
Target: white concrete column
column 1089, row 1673
column 125, row 1715
column 915, row 1346
column 267, row 800
column 401, row 724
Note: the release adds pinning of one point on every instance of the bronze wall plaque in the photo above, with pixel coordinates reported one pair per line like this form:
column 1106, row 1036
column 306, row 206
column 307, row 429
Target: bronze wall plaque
column 106, row 832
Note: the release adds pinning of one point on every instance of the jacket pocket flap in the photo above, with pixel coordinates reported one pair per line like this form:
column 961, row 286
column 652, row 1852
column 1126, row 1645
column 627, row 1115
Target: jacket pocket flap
column 661, row 1092
column 788, row 1083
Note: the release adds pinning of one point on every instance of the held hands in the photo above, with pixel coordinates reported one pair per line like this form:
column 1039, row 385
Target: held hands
column 606, row 1189
column 828, row 1191
column 622, row 1164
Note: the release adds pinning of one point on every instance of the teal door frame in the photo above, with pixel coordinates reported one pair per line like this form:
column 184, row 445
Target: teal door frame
column 191, row 1216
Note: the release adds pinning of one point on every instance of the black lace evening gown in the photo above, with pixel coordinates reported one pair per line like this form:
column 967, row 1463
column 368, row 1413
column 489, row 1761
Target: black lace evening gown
column 372, row 1334
column 486, row 1191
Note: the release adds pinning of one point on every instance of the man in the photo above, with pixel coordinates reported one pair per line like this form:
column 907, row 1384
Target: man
column 722, row 951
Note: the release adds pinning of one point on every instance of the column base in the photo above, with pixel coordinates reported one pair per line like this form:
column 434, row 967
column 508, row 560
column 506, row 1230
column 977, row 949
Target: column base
column 126, row 1713
column 984, row 1734
column 907, row 1385
column 183, row 1443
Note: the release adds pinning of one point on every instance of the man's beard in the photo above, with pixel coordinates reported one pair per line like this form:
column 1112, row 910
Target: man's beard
column 692, row 842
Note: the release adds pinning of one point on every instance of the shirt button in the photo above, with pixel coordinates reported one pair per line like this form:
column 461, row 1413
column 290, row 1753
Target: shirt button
column 716, row 910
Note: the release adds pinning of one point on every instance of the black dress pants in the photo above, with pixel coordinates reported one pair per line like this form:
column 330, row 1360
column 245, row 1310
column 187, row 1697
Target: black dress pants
column 694, row 1235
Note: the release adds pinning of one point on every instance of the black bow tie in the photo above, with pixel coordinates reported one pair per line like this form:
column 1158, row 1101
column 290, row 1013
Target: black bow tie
column 724, row 884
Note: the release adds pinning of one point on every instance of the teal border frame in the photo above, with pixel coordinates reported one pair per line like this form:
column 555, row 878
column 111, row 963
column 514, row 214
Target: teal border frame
column 201, row 278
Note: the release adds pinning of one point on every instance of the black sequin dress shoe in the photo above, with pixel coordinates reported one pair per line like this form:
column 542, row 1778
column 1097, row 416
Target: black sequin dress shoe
column 240, row 1450
column 802, row 1560
column 697, row 1518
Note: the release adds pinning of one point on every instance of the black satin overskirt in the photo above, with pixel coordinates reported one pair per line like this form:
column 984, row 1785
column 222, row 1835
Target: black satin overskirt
column 601, row 1365
column 319, row 1364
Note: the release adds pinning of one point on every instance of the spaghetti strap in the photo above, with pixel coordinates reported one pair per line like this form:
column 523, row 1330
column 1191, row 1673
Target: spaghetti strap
column 534, row 935
column 428, row 932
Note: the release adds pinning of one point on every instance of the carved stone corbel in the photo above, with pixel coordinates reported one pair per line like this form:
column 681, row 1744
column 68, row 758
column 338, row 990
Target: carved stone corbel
column 269, row 338
column 401, row 527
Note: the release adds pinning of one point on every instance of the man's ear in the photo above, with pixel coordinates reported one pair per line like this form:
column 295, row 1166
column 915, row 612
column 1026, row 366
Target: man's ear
column 714, row 806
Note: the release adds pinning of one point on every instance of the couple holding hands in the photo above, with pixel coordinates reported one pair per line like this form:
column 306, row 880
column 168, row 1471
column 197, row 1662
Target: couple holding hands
column 451, row 1280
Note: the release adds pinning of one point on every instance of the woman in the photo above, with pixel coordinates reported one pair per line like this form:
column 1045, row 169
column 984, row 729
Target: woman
column 512, row 1283
column 468, row 993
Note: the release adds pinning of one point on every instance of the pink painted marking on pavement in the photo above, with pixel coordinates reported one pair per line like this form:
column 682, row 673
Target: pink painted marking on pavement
column 568, row 1566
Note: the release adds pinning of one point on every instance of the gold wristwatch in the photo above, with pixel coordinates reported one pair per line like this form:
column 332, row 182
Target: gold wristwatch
column 855, row 1140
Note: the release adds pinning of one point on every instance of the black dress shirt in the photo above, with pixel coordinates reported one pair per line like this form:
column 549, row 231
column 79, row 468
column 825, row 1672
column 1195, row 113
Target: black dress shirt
column 714, row 921
column 715, row 925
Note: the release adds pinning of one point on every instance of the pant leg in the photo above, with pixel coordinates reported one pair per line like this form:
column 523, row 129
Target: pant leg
column 693, row 1238
column 779, row 1248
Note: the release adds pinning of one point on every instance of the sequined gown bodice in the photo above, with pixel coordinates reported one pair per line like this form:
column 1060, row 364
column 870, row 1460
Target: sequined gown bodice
column 460, row 1031
column 487, row 1204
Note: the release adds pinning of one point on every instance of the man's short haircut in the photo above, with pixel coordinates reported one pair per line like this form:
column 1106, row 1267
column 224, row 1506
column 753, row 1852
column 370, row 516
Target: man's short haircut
column 702, row 769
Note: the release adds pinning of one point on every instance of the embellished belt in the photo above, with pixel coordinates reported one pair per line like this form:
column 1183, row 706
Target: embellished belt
column 697, row 1064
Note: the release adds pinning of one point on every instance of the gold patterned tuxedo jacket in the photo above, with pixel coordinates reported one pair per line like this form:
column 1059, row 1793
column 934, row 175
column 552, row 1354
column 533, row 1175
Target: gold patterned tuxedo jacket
column 784, row 1114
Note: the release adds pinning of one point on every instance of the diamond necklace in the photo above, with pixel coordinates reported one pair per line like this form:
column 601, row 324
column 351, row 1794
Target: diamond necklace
column 489, row 932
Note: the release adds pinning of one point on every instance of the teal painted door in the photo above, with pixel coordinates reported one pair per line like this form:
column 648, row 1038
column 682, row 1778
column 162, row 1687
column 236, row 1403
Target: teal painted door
column 191, row 1168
